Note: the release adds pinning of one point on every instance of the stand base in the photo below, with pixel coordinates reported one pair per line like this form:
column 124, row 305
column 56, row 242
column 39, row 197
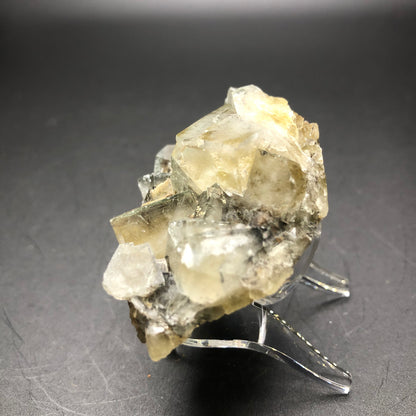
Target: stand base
column 300, row 353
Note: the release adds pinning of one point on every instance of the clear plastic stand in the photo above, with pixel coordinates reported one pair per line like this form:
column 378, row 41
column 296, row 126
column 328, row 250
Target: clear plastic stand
column 293, row 349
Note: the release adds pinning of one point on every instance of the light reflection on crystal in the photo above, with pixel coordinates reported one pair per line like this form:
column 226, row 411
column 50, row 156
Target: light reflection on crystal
column 227, row 212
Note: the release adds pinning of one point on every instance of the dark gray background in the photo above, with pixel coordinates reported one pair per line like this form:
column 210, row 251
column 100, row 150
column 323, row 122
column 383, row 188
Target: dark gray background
column 86, row 104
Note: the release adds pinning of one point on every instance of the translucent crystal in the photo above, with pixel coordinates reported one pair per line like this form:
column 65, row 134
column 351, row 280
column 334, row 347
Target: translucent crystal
column 162, row 160
column 132, row 271
column 242, row 143
column 209, row 259
column 227, row 212
column 160, row 175
column 161, row 191
column 149, row 223
column 150, row 181
column 276, row 182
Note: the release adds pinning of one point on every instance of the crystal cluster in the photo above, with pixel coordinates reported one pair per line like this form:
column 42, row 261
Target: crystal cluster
column 226, row 214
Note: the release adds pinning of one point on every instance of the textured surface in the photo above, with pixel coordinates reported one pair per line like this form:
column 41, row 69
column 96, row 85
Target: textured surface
column 254, row 175
column 81, row 111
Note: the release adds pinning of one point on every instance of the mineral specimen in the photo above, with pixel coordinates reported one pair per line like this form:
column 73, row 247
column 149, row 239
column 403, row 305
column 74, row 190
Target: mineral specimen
column 226, row 214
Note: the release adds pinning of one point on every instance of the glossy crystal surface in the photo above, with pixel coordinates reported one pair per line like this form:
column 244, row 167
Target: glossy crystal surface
column 227, row 213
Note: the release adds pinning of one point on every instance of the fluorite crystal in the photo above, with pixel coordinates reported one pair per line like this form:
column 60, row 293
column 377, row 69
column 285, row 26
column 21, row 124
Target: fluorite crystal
column 226, row 214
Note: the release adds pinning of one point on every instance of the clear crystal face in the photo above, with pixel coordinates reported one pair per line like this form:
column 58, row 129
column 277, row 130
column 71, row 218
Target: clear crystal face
column 227, row 213
column 162, row 160
column 133, row 271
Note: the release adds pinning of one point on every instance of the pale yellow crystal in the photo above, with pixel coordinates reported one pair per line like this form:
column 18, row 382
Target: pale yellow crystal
column 276, row 182
column 275, row 266
column 132, row 271
column 231, row 210
column 209, row 259
column 161, row 191
column 245, row 141
column 149, row 223
column 161, row 341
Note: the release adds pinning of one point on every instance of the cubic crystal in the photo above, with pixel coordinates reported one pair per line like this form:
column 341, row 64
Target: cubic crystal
column 226, row 214
column 149, row 223
column 132, row 271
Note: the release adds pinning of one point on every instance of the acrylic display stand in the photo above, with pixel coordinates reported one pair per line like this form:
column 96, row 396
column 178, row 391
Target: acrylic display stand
column 299, row 353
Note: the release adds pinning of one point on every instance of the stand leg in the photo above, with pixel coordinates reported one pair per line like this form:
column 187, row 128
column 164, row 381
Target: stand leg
column 294, row 349
column 298, row 352
column 318, row 278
